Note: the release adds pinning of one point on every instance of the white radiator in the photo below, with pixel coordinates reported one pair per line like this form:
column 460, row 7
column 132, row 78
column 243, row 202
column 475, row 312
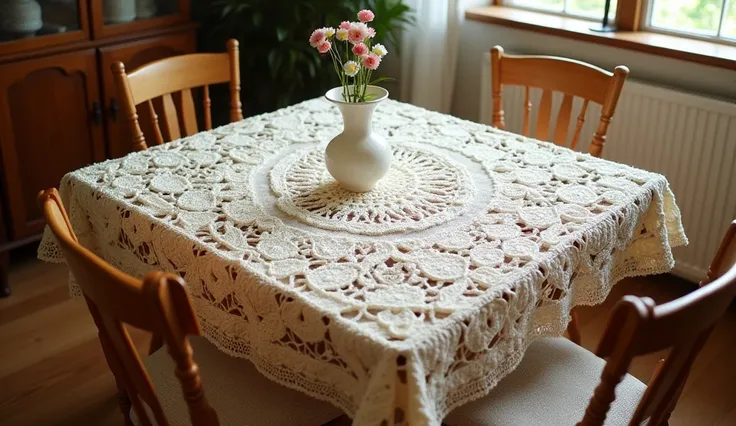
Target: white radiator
column 688, row 138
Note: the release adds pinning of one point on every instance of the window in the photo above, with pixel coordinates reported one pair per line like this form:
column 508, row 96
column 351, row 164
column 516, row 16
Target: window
column 715, row 19
column 587, row 9
column 705, row 19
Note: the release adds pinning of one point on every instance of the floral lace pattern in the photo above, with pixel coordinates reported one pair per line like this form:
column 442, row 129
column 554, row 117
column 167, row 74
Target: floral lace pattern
column 403, row 303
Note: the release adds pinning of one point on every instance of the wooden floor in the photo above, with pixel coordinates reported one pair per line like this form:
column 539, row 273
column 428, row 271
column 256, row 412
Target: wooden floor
column 52, row 371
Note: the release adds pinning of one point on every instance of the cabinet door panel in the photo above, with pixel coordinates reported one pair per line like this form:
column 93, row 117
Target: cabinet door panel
column 48, row 127
column 133, row 55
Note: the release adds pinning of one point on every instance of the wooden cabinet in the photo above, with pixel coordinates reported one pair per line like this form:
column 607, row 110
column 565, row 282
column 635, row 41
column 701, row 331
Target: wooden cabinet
column 110, row 21
column 50, row 123
column 44, row 25
column 58, row 110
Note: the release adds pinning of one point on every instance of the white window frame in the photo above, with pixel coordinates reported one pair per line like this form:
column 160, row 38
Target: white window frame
column 718, row 38
column 563, row 12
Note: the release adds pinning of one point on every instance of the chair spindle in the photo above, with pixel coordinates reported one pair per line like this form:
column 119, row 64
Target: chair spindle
column 188, row 114
column 207, row 106
column 497, row 90
column 563, row 120
column 543, row 119
column 579, row 125
column 236, row 107
column 527, row 111
column 154, row 118
column 170, row 119
column 124, row 92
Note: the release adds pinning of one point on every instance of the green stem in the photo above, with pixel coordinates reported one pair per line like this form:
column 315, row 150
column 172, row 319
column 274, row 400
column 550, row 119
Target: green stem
column 338, row 69
column 359, row 81
column 368, row 81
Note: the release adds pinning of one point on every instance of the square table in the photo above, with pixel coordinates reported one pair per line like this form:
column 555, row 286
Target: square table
column 396, row 305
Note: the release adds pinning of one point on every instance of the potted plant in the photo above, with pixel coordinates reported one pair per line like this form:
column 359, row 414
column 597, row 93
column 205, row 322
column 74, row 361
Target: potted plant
column 278, row 68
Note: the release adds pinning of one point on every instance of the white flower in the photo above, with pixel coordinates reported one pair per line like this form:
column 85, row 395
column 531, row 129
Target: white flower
column 329, row 32
column 342, row 34
column 379, row 50
column 351, row 68
column 358, row 32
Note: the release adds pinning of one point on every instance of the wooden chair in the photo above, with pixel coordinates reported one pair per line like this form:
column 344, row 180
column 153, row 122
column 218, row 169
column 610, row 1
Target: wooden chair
column 553, row 74
column 170, row 385
column 177, row 75
column 556, row 377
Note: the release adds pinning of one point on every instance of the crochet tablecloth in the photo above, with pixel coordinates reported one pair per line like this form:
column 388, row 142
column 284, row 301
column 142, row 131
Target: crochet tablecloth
column 396, row 305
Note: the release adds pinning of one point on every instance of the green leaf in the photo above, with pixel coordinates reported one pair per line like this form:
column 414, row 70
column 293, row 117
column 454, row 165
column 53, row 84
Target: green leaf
column 281, row 33
column 380, row 79
column 292, row 71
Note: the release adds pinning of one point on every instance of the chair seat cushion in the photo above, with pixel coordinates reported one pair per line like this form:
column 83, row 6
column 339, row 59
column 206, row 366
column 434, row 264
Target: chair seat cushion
column 552, row 386
column 236, row 390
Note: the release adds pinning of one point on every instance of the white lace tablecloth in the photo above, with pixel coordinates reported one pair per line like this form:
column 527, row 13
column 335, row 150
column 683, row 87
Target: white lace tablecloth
column 396, row 305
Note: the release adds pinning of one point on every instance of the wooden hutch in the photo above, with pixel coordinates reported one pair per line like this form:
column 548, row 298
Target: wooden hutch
column 58, row 110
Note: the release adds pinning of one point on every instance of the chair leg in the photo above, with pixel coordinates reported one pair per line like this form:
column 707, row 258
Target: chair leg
column 573, row 328
column 657, row 370
column 113, row 363
column 125, row 406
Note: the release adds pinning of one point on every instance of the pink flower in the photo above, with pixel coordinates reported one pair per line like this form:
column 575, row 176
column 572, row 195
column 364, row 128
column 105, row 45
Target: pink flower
column 324, row 47
column 372, row 61
column 366, row 15
column 317, row 37
column 357, row 32
column 344, row 25
column 360, row 49
column 371, row 32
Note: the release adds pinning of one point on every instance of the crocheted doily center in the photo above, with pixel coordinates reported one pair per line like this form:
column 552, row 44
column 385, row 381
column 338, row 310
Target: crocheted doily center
column 421, row 189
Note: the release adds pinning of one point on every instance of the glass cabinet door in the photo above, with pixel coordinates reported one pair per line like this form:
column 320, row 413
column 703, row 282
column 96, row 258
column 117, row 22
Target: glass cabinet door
column 113, row 17
column 29, row 24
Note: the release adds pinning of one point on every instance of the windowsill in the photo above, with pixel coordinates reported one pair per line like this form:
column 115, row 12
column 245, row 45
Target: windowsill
column 703, row 52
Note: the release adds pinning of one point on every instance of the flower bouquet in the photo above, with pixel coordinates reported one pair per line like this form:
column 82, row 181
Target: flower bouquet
column 354, row 55
column 358, row 157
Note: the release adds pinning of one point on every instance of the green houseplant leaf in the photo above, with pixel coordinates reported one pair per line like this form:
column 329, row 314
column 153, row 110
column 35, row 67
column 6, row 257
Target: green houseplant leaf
column 277, row 64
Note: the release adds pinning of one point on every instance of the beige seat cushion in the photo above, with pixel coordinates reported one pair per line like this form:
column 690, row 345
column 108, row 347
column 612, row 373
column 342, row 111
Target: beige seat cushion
column 551, row 387
column 236, row 390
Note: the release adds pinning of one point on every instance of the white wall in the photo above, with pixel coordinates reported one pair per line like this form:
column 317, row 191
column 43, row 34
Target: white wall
column 478, row 37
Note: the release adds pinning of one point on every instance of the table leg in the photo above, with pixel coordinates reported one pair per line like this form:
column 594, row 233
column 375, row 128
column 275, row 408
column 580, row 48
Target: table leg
column 4, row 270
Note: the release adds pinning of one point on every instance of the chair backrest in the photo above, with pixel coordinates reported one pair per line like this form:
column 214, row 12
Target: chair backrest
column 552, row 74
column 637, row 327
column 177, row 76
column 159, row 304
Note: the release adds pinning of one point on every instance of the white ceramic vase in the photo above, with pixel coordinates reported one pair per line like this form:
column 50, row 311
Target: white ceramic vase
column 118, row 11
column 358, row 157
column 22, row 17
column 145, row 8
